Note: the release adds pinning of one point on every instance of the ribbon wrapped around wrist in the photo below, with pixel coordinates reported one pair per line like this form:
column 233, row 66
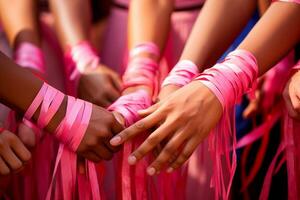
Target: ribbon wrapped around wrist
column 31, row 56
column 129, row 105
column 233, row 77
column 141, row 70
column 182, row 73
column 147, row 47
column 228, row 80
column 72, row 128
column 83, row 56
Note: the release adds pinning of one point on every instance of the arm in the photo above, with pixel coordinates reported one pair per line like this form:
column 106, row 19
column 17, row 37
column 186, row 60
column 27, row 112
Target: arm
column 23, row 89
column 20, row 21
column 216, row 27
column 97, row 83
column 181, row 114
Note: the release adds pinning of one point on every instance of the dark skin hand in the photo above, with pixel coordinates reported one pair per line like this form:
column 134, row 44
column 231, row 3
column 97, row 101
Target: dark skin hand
column 18, row 96
column 13, row 153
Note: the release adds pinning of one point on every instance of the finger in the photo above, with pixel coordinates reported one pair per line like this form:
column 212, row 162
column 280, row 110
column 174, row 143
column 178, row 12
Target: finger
column 185, row 154
column 135, row 129
column 4, row 169
column 295, row 103
column 21, row 151
column 151, row 142
column 11, row 159
column 167, row 153
column 81, row 165
column 289, row 106
column 148, row 111
column 102, row 152
column 112, row 149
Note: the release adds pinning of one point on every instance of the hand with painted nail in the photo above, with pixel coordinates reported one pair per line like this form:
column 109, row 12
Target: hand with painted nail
column 13, row 153
column 186, row 116
column 102, row 127
column 100, row 86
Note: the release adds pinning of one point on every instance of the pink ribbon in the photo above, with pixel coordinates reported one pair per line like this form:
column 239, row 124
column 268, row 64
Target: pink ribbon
column 70, row 132
column 84, row 56
column 182, row 73
column 147, row 47
column 31, row 56
column 228, row 80
column 134, row 185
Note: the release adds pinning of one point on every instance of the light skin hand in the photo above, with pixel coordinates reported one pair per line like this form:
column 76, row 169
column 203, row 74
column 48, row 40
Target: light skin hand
column 179, row 117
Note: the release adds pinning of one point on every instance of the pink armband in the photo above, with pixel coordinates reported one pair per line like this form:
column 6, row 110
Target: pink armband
column 72, row 128
column 141, row 70
column 31, row 56
column 147, row 47
column 83, row 56
column 182, row 73
column 232, row 78
column 129, row 105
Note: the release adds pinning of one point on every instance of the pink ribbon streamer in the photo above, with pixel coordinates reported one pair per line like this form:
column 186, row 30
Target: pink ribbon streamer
column 128, row 106
column 182, row 73
column 228, row 80
column 70, row 132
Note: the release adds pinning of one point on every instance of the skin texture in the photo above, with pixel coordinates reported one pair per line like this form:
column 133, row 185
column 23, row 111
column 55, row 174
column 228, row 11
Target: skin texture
column 181, row 114
column 19, row 95
column 211, row 44
column 13, row 153
column 102, row 85
column 21, row 26
column 291, row 96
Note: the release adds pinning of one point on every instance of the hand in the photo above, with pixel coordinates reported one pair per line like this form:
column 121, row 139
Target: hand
column 100, row 86
column 27, row 135
column 13, row 153
column 187, row 115
column 95, row 144
column 291, row 96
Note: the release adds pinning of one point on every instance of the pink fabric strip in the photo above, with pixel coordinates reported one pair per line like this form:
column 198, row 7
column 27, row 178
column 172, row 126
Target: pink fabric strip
column 228, row 80
column 31, row 56
column 147, row 47
column 182, row 73
column 36, row 102
column 83, row 56
column 140, row 71
column 128, row 106
column 289, row 1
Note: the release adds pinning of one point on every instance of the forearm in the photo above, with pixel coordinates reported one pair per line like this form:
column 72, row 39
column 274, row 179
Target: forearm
column 218, row 24
column 72, row 20
column 20, row 21
column 18, row 88
column 149, row 21
column 274, row 35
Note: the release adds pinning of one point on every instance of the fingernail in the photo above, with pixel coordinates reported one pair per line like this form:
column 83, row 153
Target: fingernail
column 115, row 140
column 131, row 160
column 170, row 169
column 150, row 171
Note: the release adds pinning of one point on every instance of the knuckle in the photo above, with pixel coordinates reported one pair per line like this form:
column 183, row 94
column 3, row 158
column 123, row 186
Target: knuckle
column 140, row 124
column 184, row 157
column 168, row 151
